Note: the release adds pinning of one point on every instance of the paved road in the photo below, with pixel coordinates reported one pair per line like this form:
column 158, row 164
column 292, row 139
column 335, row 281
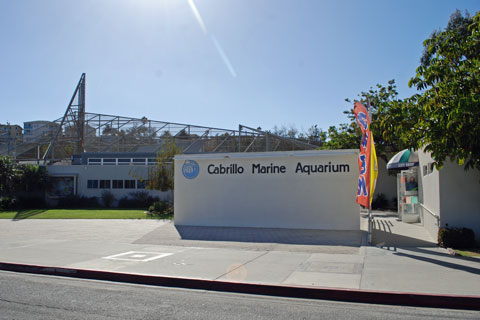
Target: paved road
column 41, row 297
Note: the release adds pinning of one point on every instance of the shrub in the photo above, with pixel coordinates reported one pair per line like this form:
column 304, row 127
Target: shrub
column 161, row 207
column 456, row 238
column 395, row 203
column 76, row 201
column 8, row 203
column 126, row 202
column 31, row 202
column 380, row 202
column 141, row 199
column 107, row 198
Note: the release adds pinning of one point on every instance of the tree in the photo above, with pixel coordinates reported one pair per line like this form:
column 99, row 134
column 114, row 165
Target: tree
column 32, row 178
column 448, row 105
column 316, row 136
column 347, row 136
column 7, row 176
column 444, row 117
column 161, row 177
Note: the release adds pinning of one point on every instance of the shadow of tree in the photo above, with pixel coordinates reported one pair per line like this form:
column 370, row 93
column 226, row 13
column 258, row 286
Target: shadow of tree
column 25, row 214
column 441, row 263
column 440, row 254
column 387, row 239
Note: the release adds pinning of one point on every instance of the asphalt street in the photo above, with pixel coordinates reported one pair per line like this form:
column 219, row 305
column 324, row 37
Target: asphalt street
column 43, row 297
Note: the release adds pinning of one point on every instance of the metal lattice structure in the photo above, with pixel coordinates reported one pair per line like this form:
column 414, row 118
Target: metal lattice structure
column 79, row 131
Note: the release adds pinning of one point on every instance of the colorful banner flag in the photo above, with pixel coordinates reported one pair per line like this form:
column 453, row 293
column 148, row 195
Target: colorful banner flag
column 367, row 160
column 373, row 169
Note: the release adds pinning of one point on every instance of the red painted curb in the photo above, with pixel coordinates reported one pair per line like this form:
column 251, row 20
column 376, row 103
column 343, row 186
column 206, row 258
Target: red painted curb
column 347, row 295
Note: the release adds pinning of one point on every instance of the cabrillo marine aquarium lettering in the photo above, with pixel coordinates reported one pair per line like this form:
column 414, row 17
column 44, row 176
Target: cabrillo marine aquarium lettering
column 322, row 168
column 258, row 168
column 230, row 169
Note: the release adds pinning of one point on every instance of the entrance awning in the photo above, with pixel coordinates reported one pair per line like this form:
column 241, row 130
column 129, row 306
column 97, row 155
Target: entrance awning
column 404, row 159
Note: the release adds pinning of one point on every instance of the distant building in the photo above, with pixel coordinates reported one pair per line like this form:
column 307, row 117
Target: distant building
column 10, row 132
column 92, row 173
column 71, row 131
column 36, row 130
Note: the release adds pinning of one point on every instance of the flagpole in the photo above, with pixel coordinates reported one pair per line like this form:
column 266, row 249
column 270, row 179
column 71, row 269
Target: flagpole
column 370, row 222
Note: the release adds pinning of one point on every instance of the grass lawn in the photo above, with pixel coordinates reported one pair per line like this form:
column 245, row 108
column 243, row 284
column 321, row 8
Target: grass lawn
column 80, row 214
column 475, row 252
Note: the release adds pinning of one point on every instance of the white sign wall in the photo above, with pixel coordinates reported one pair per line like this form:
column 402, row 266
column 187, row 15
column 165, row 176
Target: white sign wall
column 298, row 189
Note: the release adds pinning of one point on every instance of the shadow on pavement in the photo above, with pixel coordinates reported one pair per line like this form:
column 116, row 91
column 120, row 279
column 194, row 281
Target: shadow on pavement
column 441, row 254
column 272, row 235
column 383, row 238
column 25, row 214
column 441, row 263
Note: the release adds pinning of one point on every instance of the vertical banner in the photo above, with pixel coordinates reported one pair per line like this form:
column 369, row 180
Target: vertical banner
column 373, row 168
column 367, row 160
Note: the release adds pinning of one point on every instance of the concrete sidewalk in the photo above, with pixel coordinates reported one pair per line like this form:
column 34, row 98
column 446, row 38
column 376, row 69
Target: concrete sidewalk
column 259, row 256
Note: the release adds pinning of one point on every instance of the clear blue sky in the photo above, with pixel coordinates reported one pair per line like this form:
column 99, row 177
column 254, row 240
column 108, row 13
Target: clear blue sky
column 252, row 62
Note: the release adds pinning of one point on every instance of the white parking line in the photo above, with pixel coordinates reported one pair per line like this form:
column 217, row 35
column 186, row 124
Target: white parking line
column 138, row 256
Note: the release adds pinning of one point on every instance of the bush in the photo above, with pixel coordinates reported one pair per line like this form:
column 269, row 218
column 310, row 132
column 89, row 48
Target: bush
column 8, row 203
column 456, row 238
column 161, row 207
column 141, row 199
column 72, row 202
column 107, row 198
column 395, row 203
column 30, row 202
column 380, row 202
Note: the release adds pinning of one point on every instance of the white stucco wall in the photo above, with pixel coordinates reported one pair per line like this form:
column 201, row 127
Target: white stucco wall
column 429, row 194
column 278, row 200
column 451, row 193
column 460, row 197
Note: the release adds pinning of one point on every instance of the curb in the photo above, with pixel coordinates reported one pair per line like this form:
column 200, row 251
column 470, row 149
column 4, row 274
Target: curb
column 346, row 295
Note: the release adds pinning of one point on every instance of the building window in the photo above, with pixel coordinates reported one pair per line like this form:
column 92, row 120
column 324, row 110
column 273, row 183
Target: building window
column 123, row 161
column 139, row 161
column 94, row 161
column 117, row 184
column 129, row 184
column 152, row 161
column 104, row 184
column 92, row 184
column 109, row 161
column 141, row 184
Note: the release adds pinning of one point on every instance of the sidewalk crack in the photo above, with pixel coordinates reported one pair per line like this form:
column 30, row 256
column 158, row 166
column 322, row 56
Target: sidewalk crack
column 241, row 265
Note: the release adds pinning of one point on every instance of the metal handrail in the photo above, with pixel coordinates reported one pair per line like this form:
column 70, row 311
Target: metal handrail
column 430, row 211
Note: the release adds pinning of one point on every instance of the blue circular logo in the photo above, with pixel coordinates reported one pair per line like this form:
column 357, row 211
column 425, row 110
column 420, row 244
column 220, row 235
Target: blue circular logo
column 190, row 169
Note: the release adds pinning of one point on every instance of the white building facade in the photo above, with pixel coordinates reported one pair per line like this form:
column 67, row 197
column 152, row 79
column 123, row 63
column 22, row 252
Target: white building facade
column 449, row 196
column 298, row 189
column 92, row 173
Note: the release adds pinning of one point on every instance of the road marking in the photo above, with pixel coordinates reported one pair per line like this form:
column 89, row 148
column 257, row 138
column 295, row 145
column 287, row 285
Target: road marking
column 138, row 256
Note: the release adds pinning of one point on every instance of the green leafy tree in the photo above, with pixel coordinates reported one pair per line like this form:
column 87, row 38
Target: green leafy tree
column 381, row 99
column 444, row 117
column 347, row 136
column 31, row 178
column 7, row 176
column 161, row 177
column 448, row 105
column 316, row 136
